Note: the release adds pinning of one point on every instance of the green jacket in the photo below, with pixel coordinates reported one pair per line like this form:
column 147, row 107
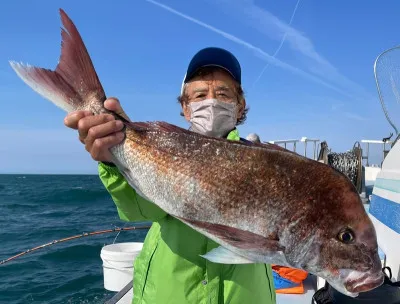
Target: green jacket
column 170, row 270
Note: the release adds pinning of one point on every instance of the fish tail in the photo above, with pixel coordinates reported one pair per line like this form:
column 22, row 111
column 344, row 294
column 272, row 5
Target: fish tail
column 74, row 84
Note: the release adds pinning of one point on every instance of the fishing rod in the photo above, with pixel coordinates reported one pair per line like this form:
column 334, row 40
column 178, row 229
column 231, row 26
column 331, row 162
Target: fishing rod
column 84, row 234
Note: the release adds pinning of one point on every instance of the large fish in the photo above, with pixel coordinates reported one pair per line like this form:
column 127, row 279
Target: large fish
column 261, row 203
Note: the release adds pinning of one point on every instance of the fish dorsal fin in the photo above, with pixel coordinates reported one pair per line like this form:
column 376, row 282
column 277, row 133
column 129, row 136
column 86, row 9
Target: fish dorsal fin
column 158, row 126
column 169, row 128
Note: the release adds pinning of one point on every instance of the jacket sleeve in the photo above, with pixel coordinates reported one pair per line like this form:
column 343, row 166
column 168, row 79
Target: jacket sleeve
column 131, row 207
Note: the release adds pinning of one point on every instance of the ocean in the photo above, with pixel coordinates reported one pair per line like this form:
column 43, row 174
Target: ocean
column 37, row 209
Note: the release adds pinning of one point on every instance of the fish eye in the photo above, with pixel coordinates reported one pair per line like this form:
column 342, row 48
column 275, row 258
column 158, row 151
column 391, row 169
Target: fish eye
column 346, row 236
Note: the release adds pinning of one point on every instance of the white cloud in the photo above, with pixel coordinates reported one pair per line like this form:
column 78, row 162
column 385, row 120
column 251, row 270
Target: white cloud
column 256, row 50
column 274, row 28
column 337, row 106
column 355, row 116
column 280, row 44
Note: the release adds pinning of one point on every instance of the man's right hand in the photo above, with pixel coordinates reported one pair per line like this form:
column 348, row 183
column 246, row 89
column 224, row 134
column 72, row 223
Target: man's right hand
column 98, row 132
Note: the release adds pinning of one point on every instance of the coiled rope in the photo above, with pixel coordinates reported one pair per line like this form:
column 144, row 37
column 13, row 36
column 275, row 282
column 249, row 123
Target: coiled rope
column 84, row 234
column 349, row 163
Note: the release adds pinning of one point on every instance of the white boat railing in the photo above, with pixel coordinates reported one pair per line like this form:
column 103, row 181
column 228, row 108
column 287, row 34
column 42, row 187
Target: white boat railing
column 294, row 142
column 383, row 143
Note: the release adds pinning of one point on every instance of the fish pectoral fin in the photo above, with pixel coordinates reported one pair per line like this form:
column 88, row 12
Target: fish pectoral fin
column 222, row 255
column 241, row 239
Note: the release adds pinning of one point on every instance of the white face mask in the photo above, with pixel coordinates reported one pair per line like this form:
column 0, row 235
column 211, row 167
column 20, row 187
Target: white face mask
column 212, row 117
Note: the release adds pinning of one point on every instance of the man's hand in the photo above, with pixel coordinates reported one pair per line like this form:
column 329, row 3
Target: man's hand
column 98, row 132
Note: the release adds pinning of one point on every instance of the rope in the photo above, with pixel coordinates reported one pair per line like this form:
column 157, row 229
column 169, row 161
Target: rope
column 118, row 234
column 349, row 163
column 84, row 234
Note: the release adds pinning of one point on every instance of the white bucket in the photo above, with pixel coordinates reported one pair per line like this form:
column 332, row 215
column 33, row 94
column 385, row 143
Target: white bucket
column 118, row 264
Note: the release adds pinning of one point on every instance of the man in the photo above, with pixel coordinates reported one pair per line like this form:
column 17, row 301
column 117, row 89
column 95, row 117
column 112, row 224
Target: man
column 170, row 268
column 253, row 137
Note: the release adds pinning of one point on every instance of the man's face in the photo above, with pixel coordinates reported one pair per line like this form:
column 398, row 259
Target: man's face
column 217, row 85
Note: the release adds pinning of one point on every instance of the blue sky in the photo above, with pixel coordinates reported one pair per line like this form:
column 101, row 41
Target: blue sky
column 310, row 74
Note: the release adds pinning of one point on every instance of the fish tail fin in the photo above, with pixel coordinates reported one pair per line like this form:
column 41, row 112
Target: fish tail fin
column 74, row 84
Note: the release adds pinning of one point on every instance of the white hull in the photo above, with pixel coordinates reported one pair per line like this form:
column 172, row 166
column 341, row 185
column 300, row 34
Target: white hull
column 385, row 209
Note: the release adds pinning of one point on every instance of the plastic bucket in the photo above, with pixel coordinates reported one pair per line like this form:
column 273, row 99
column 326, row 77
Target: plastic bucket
column 118, row 264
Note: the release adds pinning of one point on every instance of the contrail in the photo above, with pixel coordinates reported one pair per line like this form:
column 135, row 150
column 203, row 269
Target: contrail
column 255, row 49
column 280, row 45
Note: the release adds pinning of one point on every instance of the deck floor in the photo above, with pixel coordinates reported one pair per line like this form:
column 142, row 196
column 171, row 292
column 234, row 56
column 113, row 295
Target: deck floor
column 310, row 286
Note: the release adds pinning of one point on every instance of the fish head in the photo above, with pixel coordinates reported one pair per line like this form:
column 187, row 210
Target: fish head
column 344, row 250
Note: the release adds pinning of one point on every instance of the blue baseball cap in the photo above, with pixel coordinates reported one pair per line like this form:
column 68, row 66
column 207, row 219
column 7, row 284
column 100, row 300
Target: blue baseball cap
column 213, row 56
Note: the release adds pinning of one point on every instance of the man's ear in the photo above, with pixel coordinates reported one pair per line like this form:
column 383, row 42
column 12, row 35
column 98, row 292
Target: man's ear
column 186, row 111
column 241, row 107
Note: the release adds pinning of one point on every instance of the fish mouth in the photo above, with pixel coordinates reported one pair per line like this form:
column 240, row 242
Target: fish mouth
column 365, row 283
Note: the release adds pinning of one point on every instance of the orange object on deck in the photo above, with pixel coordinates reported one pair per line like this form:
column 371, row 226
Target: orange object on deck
column 297, row 276
column 292, row 290
column 293, row 274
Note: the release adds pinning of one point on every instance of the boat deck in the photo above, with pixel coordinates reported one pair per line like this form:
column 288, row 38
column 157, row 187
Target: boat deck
column 310, row 287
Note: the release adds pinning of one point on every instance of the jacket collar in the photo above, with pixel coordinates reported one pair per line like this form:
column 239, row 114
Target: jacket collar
column 233, row 135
